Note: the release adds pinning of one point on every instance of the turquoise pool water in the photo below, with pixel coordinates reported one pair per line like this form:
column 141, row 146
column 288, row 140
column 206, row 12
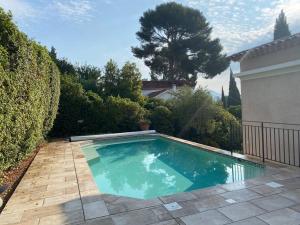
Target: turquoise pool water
column 150, row 166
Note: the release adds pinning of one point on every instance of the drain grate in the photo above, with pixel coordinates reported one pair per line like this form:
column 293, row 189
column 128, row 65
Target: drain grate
column 172, row 206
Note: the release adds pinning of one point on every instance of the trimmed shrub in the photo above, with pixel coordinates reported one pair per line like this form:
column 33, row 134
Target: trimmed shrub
column 236, row 111
column 151, row 103
column 162, row 120
column 122, row 114
column 80, row 112
column 29, row 90
column 198, row 118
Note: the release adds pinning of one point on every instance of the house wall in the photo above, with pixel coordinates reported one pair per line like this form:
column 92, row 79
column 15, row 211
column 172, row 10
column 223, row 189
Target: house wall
column 277, row 57
column 148, row 91
column 273, row 98
column 167, row 95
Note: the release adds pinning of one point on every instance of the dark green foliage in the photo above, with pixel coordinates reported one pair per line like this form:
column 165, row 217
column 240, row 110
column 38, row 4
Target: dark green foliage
column 125, row 83
column 122, row 114
column 89, row 76
column 236, row 111
column 281, row 28
column 84, row 112
column 234, row 97
column 29, row 90
column 162, row 120
column 110, row 79
column 80, row 112
column 223, row 99
column 130, row 83
column 176, row 44
column 63, row 65
column 198, row 118
column 152, row 103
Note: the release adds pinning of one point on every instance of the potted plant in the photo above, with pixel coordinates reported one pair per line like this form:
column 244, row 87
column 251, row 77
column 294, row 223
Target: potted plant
column 144, row 124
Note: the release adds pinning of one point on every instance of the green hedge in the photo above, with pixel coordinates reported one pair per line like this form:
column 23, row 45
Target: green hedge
column 29, row 90
column 198, row 118
column 162, row 120
column 80, row 112
column 122, row 114
column 84, row 112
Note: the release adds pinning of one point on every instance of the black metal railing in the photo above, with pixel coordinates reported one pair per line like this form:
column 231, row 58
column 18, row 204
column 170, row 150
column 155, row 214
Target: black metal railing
column 278, row 142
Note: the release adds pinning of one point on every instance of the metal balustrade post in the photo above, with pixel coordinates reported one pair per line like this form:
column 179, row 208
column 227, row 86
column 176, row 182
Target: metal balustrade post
column 263, row 141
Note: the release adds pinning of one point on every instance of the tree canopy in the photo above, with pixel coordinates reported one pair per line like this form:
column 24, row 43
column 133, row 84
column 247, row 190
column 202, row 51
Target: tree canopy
column 29, row 90
column 125, row 82
column 176, row 44
column 234, row 97
column 130, row 83
column 223, row 99
column 281, row 28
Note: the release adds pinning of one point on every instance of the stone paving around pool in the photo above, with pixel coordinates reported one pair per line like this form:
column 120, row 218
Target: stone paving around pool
column 58, row 188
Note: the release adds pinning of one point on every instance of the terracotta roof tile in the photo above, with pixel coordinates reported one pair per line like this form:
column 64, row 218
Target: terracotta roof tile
column 162, row 84
column 268, row 47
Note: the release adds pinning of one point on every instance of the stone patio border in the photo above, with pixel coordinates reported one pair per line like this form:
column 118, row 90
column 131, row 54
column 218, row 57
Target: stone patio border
column 58, row 188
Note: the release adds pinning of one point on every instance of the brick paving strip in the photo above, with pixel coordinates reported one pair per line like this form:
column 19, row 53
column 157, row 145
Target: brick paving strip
column 58, row 188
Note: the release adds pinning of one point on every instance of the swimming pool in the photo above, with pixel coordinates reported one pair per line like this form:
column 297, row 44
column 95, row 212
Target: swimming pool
column 150, row 166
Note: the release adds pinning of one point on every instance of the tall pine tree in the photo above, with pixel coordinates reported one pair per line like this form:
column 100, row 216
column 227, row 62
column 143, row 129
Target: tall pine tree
column 281, row 28
column 223, row 99
column 176, row 44
column 234, row 97
column 110, row 79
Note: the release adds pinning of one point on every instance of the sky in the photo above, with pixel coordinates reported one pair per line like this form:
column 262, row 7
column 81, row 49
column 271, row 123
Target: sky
column 94, row 31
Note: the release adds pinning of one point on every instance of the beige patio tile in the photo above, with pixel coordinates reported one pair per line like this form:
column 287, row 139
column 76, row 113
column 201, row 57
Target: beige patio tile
column 202, row 193
column 241, row 211
column 281, row 216
column 95, row 209
column 17, row 207
column 142, row 216
column 184, row 196
column 28, row 222
column 90, row 196
column 266, row 190
column 273, row 202
column 241, row 195
column 10, row 218
column 52, row 210
column 53, row 181
column 122, row 204
column 211, row 217
column 63, row 218
column 53, row 187
column 107, row 220
column 61, row 199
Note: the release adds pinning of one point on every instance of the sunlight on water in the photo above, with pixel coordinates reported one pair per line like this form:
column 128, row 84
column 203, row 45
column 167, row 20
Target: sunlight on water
column 147, row 167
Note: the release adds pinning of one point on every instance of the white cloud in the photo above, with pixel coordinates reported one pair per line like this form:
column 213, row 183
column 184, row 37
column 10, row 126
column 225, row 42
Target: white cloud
column 217, row 82
column 290, row 7
column 76, row 10
column 20, row 8
column 240, row 23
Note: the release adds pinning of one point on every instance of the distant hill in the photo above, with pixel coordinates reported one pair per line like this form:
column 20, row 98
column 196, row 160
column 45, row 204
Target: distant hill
column 216, row 96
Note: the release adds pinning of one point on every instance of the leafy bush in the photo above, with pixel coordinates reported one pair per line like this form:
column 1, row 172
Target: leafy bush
column 198, row 118
column 80, row 112
column 236, row 111
column 84, row 112
column 162, row 120
column 125, row 82
column 152, row 103
column 122, row 114
column 29, row 90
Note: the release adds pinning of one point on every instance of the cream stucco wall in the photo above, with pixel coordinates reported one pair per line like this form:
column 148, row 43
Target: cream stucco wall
column 272, row 99
column 277, row 57
column 270, row 92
